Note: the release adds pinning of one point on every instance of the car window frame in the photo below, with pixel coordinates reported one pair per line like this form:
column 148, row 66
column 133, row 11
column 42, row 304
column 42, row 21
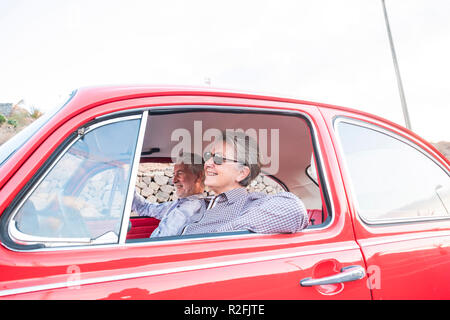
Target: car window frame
column 394, row 135
column 43, row 243
column 323, row 176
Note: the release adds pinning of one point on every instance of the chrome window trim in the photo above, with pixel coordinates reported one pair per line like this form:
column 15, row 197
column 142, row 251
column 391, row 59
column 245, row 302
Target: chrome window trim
column 404, row 237
column 289, row 112
column 180, row 240
column 132, row 182
column 364, row 124
column 381, row 222
column 319, row 157
column 12, row 230
column 18, row 236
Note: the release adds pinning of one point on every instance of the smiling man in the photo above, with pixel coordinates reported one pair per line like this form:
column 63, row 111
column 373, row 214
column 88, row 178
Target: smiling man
column 188, row 180
column 230, row 166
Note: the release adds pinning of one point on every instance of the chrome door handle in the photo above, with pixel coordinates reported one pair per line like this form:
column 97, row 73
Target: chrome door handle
column 350, row 273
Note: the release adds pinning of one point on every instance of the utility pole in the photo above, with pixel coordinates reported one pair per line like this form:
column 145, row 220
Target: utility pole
column 397, row 70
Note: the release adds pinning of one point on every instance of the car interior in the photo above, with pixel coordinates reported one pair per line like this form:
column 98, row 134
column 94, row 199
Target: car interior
column 285, row 143
column 81, row 197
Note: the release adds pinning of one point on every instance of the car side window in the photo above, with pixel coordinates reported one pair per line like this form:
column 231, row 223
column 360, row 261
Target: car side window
column 391, row 179
column 286, row 149
column 81, row 199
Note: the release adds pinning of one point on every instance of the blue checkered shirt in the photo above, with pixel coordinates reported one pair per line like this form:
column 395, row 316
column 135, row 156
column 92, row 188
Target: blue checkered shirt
column 173, row 215
column 238, row 209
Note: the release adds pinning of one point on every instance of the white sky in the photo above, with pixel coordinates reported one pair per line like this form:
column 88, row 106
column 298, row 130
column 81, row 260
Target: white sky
column 328, row 51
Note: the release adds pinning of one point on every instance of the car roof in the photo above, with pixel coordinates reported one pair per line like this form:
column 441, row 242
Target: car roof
column 92, row 96
column 114, row 93
column 96, row 95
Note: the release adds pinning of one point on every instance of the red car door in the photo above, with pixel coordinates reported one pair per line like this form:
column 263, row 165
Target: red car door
column 318, row 263
column 400, row 201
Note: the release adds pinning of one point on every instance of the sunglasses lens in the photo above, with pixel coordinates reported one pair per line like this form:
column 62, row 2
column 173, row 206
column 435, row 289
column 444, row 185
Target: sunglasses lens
column 207, row 156
column 217, row 159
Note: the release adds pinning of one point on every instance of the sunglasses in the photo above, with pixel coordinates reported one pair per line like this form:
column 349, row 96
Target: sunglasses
column 217, row 159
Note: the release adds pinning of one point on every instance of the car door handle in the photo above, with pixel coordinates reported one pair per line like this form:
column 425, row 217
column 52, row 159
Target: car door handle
column 350, row 273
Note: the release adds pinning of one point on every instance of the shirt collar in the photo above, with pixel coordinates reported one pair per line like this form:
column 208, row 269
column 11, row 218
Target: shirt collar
column 193, row 197
column 232, row 195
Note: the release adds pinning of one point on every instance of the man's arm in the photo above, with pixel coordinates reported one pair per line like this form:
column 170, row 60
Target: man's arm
column 177, row 218
column 145, row 208
column 280, row 213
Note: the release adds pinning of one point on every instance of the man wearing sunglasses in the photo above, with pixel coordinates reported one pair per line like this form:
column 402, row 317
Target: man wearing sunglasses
column 188, row 180
column 230, row 166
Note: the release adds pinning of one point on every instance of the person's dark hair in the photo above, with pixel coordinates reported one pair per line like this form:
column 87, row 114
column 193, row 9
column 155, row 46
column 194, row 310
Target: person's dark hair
column 246, row 152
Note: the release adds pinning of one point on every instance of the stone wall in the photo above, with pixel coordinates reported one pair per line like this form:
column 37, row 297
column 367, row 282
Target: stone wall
column 155, row 183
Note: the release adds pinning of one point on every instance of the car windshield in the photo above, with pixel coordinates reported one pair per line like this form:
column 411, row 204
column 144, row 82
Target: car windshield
column 13, row 144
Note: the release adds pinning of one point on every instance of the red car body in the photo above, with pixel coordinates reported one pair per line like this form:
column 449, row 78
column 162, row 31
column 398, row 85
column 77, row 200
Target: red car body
column 398, row 260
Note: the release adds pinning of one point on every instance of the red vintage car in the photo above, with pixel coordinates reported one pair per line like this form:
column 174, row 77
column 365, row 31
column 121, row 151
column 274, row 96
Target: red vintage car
column 378, row 198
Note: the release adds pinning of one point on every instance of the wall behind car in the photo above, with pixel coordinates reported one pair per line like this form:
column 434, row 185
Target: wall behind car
column 155, row 183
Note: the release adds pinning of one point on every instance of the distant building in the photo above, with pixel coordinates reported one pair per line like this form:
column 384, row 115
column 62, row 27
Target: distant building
column 5, row 109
